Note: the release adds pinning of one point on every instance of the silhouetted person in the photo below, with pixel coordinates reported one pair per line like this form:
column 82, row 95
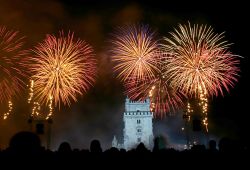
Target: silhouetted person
column 114, row 150
column 198, row 148
column 25, row 142
column 156, row 145
column 64, row 148
column 212, row 146
column 95, row 146
column 159, row 143
column 123, row 150
column 225, row 144
column 141, row 148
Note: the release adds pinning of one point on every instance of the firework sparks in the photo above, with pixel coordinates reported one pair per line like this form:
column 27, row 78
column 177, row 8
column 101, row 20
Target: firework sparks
column 200, row 64
column 62, row 69
column 200, row 59
column 133, row 52
column 36, row 110
column 50, row 107
column 11, row 66
column 36, row 106
column 189, row 112
column 5, row 116
column 203, row 103
column 31, row 93
column 163, row 98
column 139, row 64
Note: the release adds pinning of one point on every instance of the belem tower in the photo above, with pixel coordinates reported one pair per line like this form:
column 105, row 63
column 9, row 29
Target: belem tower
column 138, row 126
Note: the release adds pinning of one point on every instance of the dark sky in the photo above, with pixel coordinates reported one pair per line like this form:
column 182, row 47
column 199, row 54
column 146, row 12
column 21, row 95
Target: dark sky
column 98, row 114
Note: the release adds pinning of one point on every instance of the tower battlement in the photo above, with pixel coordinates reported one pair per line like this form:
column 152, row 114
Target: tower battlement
column 137, row 106
column 138, row 113
column 137, row 102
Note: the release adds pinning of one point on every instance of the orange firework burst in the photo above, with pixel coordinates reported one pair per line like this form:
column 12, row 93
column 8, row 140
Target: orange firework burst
column 139, row 64
column 200, row 64
column 62, row 69
column 133, row 51
column 163, row 98
column 11, row 64
column 200, row 59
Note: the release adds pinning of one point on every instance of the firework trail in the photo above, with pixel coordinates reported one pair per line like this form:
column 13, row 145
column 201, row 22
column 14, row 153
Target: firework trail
column 36, row 107
column 62, row 68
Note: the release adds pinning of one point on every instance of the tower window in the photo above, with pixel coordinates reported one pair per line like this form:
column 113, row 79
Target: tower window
column 138, row 139
column 138, row 130
column 138, row 121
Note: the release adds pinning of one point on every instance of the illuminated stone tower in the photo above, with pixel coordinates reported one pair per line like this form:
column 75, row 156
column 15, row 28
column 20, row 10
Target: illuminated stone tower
column 138, row 125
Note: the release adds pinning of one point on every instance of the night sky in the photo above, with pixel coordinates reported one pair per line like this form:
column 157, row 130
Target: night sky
column 98, row 114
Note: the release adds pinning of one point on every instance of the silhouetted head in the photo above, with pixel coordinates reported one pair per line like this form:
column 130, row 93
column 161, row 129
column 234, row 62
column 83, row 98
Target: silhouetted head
column 113, row 150
column 141, row 148
column 64, row 147
column 225, row 144
column 156, row 144
column 95, row 146
column 212, row 145
column 159, row 143
column 25, row 142
column 123, row 150
column 198, row 148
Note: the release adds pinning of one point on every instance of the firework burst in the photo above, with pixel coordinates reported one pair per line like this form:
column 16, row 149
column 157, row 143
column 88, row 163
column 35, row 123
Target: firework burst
column 200, row 64
column 12, row 73
column 62, row 69
column 200, row 59
column 11, row 64
column 139, row 64
column 163, row 98
column 133, row 52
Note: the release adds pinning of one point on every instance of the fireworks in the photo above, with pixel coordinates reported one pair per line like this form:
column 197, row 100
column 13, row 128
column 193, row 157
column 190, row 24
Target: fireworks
column 200, row 59
column 36, row 110
column 139, row 64
column 31, row 89
column 133, row 51
column 50, row 107
column 5, row 116
column 204, row 105
column 163, row 98
column 11, row 64
column 62, row 69
column 200, row 64
column 11, row 67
